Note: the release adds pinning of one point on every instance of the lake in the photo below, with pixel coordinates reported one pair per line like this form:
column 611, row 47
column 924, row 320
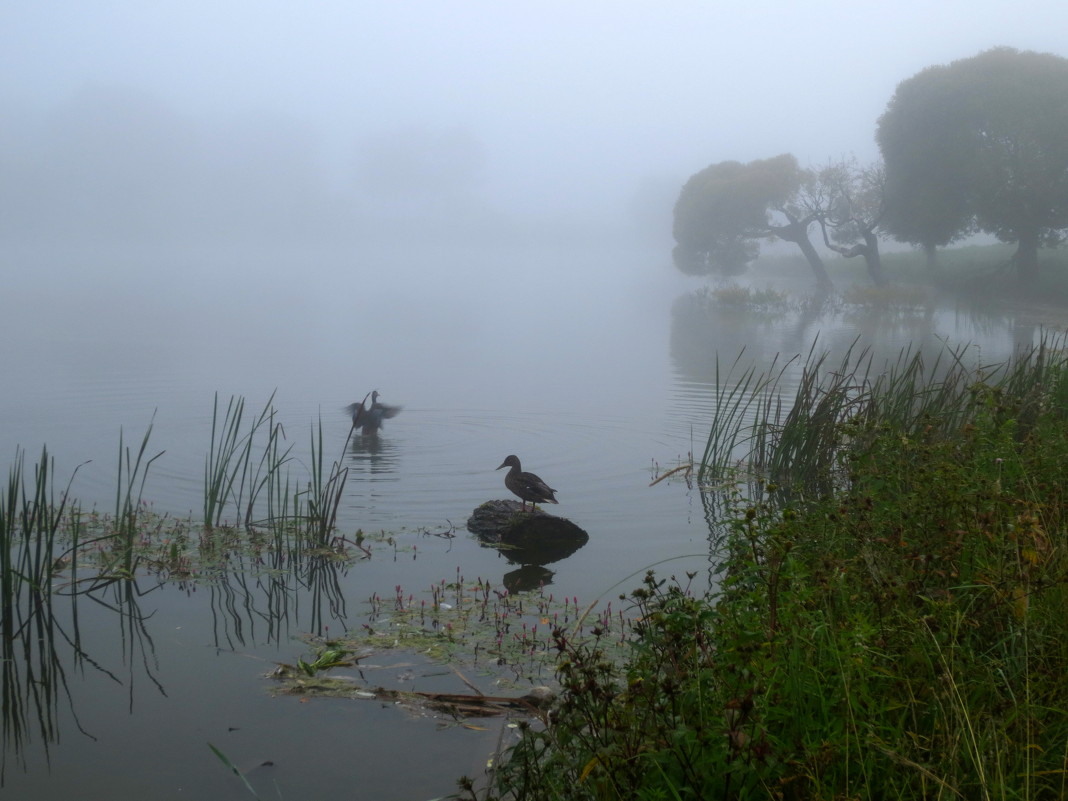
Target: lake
column 595, row 364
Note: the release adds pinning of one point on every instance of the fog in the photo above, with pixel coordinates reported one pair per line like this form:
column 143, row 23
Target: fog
column 374, row 185
column 334, row 120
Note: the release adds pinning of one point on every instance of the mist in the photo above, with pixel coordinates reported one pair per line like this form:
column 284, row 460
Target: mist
column 360, row 193
column 341, row 123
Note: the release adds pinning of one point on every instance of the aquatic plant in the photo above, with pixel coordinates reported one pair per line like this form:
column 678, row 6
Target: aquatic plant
column 229, row 471
column 743, row 297
column 324, row 492
column 234, row 769
column 802, row 444
column 126, row 527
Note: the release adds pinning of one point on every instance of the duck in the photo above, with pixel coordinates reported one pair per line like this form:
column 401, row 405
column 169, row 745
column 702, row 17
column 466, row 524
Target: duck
column 358, row 412
column 369, row 419
column 526, row 485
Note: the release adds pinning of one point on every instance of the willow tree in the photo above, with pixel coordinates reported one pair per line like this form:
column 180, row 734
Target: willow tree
column 725, row 210
column 854, row 199
column 980, row 144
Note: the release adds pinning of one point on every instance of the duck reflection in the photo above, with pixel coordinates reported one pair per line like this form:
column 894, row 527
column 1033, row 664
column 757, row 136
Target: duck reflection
column 372, row 455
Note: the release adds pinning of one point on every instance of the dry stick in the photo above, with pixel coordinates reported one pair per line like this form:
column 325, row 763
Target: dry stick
column 463, row 678
column 687, row 467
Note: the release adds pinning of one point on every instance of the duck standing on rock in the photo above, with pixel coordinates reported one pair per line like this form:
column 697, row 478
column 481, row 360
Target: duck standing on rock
column 526, row 485
column 369, row 420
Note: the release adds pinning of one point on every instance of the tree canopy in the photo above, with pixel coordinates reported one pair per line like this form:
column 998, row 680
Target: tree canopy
column 980, row 144
column 725, row 209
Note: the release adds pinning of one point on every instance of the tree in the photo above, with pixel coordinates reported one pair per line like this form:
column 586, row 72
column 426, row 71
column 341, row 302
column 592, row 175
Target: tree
column 926, row 157
column 725, row 209
column 855, row 202
column 1023, row 148
column 980, row 144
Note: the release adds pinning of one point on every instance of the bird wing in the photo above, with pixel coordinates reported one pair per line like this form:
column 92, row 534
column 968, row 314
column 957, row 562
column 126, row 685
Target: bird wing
column 535, row 484
column 388, row 411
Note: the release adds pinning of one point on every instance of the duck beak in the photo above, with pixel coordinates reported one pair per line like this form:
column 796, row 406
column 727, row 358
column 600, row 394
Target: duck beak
column 503, row 465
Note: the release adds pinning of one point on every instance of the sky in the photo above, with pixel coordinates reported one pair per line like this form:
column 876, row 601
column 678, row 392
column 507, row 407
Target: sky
column 558, row 110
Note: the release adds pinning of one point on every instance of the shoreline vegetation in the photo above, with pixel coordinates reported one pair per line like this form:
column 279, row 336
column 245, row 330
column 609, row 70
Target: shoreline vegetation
column 983, row 272
column 890, row 621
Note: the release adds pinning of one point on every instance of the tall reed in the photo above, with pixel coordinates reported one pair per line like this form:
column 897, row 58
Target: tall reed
column 325, row 491
column 129, row 495
column 801, row 442
column 229, row 471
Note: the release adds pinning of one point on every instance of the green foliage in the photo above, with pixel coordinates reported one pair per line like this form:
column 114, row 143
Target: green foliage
column 927, row 158
column 902, row 636
column 980, row 144
column 743, row 297
column 231, row 471
column 724, row 208
column 666, row 726
column 326, row 659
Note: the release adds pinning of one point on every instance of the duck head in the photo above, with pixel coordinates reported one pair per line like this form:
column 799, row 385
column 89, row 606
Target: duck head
column 511, row 461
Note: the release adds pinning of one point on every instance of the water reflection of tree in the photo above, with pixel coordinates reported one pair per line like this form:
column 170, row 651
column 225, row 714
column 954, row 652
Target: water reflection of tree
column 707, row 334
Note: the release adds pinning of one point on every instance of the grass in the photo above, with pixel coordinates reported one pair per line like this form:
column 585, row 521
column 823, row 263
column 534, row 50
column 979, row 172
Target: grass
column 892, row 627
column 232, row 473
column 977, row 270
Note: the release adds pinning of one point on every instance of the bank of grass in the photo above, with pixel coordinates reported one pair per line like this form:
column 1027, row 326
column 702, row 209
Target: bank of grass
column 902, row 635
column 968, row 270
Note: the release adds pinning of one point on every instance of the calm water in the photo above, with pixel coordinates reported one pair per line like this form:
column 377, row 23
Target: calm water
column 572, row 358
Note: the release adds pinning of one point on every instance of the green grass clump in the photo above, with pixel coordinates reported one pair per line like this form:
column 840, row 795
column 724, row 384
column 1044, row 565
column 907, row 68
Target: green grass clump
column 742, row 297
column 901, row 635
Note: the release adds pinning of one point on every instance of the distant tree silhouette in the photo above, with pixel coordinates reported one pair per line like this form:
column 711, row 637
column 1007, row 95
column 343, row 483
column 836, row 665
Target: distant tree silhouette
column 725, row 210
column 980, row 144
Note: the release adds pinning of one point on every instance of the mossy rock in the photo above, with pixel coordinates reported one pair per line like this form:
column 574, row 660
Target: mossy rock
column 531, row 537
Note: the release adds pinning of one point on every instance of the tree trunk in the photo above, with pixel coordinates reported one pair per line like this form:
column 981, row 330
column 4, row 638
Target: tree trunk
column 797, row 232
column 815, row 262
column 932, row 257
column 873, row 259
column 1026, row 258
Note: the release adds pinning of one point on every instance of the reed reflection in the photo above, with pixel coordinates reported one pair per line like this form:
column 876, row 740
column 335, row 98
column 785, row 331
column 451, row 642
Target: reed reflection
column 48, row 643
column 261, row 599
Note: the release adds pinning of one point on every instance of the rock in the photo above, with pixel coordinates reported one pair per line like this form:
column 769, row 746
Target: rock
column 525, row 537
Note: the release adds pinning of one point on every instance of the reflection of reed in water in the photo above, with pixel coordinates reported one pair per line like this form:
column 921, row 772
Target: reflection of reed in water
column 36, row 571
column 31, row 675
column 273, row 593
